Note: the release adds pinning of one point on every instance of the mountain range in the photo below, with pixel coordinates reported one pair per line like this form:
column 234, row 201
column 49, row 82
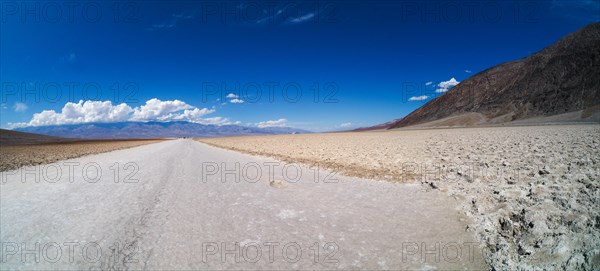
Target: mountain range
column 556, row 85
column 121, row 130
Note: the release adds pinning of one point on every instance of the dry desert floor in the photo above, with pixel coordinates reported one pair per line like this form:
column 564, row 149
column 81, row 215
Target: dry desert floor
column 16, row 156
column 532, row 192
column 181, row 205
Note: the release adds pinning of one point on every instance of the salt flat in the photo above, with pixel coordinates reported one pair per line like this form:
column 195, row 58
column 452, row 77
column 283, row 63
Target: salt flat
column 183, row 205
column 533, row 191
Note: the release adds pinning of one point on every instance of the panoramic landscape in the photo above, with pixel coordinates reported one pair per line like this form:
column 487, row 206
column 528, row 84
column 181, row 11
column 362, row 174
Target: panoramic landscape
column 300, row 135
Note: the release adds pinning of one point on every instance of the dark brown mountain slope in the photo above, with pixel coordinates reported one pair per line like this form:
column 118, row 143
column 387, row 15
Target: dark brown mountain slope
column 562, row 78
column 382, row 126
column 13, row 137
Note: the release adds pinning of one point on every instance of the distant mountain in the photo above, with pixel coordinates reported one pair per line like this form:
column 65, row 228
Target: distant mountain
column 152, row 130
column 377, row 127
column 560, row 83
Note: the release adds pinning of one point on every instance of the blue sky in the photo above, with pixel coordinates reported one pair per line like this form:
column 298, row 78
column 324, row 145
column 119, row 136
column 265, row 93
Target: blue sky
column 318, row 65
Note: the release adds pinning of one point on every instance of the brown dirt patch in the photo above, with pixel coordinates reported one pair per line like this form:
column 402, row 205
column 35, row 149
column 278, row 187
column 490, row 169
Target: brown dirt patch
column 16, row 156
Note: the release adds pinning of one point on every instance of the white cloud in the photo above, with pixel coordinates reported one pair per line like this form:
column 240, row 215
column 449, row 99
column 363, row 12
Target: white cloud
column 173, row 20
column 468, row 71
column 216, row 121
column 154, row 109
column 81, row 112
column 429, row 83
column 106, row 112
column 194, row 115
column 418, row 98
column 272, row 123
column 20, row 107
column 234, row 98
column 346, row 124
column 303, row 18
column 446, row 85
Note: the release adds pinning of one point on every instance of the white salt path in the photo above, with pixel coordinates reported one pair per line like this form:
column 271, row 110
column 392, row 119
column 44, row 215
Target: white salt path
column 183, row 214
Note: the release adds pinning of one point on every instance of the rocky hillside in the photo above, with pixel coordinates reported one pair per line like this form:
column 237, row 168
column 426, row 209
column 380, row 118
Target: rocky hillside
column 562, row 78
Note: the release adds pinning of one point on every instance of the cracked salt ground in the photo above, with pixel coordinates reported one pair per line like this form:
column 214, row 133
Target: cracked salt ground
column 531, row 191
column 182, row 214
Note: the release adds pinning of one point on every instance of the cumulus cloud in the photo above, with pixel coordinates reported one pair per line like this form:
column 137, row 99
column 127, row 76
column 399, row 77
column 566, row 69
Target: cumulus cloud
column 106, row 112
column 446, row 85
column 346, row 124
column 218, row 121
column 429, row 83
column 156, row 109
column 194, row 115
column 81, row 112
column 20, row 107
column 234, row 99
column 418, row 98
column 272, row 123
